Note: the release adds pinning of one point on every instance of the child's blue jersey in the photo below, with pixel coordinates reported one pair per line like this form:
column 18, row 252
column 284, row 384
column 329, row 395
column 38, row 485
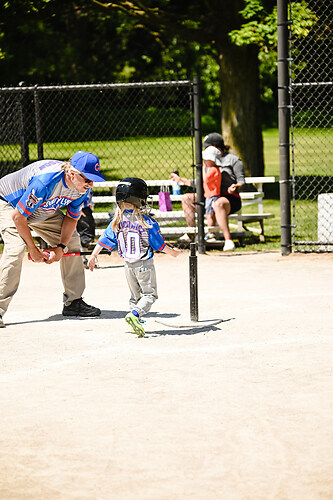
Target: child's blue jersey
column 134, row 241
column 39, row 189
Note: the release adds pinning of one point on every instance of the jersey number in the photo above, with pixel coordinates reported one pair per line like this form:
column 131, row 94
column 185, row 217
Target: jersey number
column 130, row 249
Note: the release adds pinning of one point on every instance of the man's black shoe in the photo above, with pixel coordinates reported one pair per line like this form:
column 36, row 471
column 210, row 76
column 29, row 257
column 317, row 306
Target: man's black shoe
column 79, row 308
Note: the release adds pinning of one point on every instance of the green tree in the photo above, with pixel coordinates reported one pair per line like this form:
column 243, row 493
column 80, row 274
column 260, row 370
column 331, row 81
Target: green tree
column 58, row 41
column 209, row 24
column 230, row 44
column 240, row 37
column 260, row 29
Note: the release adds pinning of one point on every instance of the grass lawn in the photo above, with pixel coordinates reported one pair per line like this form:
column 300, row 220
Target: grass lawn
column 149, row 156
column 156, row 157
column 146, row 152
column 271, row 152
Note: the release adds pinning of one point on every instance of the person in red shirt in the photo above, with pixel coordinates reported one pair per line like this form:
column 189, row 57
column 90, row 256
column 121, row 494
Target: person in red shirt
column 223, row 178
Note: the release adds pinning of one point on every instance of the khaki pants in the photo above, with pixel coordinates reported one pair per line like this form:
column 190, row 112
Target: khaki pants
column 72, row 270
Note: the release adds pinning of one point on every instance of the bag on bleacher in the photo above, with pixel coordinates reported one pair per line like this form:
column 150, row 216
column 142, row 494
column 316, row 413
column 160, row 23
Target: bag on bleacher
column 164, row 201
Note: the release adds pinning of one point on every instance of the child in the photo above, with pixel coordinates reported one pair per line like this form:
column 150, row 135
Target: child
column 136, row 235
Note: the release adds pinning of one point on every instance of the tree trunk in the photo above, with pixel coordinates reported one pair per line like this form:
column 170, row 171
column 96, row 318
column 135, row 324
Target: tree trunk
column 241, row 120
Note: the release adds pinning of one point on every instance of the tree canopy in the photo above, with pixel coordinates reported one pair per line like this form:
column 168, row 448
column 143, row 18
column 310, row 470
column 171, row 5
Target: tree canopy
column 231, row 45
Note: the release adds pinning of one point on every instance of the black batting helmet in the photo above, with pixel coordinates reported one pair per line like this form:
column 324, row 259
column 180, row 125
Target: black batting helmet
column 132, row 190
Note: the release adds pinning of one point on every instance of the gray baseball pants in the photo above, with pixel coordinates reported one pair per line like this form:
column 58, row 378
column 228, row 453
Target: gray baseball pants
column 141, row 279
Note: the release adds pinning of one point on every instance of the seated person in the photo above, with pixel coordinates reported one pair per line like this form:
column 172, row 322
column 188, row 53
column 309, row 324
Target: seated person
column 188, row 199
column 223, row 178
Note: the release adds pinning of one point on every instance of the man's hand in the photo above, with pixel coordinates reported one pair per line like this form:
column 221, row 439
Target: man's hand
column 55, row 254
column 37, row 255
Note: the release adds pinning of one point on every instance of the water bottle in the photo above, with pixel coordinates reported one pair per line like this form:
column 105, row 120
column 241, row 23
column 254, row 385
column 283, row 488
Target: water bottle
column 175, row 185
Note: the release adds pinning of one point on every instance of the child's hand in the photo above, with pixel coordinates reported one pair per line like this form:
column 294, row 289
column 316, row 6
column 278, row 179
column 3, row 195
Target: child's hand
column 92, row 261
column 176, row 252
column 232, row 189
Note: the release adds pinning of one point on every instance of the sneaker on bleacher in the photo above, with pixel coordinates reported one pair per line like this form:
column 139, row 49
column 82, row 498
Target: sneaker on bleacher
column 210, row 237
column 228, row 245
column 187, row 237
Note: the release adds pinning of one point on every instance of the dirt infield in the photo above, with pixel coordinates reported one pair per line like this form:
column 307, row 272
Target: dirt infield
column 241, row 410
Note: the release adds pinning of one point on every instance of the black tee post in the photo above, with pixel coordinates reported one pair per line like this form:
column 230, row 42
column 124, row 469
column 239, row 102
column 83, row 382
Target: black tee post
column 194, row 315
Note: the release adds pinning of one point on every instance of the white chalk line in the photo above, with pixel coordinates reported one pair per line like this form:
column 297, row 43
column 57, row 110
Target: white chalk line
column 130, row 349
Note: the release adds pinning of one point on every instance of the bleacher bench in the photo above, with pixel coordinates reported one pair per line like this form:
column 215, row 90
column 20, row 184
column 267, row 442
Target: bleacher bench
column 237, row 220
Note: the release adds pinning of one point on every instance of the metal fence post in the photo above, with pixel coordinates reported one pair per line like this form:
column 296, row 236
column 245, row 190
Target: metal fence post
column 24, row 143
column 38, row 124
column 284, row 115
column 198, row 164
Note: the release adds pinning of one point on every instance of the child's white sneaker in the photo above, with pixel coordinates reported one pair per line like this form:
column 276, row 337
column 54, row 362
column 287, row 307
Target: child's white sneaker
column 228, row 245
column 135, row 324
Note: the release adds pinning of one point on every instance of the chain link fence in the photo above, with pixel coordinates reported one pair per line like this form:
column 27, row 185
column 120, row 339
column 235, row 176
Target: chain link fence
column 311, row 90
column 143, row 130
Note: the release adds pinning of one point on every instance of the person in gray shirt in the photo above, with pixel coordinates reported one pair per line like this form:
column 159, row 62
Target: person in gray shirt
column 221, row 190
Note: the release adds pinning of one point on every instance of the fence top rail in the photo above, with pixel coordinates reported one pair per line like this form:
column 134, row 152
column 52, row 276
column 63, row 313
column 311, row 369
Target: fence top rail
column 97, row 86
column 310, row 84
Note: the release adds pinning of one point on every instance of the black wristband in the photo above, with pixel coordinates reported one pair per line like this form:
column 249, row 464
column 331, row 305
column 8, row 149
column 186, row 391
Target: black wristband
column 61, row 245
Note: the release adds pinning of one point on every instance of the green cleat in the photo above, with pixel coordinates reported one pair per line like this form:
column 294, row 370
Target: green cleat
column 135, row 324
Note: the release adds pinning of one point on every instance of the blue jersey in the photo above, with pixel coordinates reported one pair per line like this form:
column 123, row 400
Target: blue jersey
column 39, row 189
column 134, row 242
column 88, row 200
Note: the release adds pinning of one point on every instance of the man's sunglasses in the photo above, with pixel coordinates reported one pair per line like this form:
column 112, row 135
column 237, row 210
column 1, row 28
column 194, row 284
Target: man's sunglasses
column 87, row 181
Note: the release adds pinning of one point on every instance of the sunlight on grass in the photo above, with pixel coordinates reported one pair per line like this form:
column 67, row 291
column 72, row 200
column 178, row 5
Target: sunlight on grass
column 271, row 152
column 145, row 157
column 156, row 157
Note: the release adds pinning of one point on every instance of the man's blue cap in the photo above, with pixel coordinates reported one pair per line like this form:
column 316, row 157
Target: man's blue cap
column 88, row 164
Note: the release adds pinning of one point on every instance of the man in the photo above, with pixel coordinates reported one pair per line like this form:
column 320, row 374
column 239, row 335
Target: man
column 31, row 199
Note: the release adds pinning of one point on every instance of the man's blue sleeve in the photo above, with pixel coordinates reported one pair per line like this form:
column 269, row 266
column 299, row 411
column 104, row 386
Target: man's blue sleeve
column 74, row 207
column 35, row 194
